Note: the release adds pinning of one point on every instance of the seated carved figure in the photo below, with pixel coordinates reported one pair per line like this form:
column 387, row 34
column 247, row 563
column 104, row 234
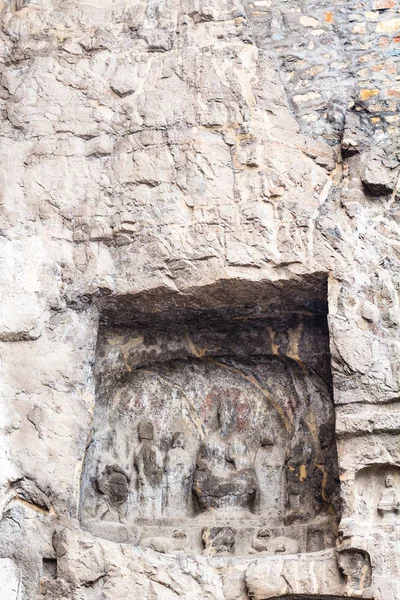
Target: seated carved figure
column 389, row 503
column 224, row 478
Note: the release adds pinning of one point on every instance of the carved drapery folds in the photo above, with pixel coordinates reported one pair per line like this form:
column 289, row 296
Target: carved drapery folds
column 178, row 477
column 215, row 435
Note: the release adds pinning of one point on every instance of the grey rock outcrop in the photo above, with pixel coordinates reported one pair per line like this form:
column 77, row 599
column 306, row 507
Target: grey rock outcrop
column 199, row 213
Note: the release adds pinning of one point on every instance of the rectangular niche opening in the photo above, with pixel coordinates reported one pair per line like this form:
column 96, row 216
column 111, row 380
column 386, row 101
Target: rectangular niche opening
column 49, row 567
column 214, row 427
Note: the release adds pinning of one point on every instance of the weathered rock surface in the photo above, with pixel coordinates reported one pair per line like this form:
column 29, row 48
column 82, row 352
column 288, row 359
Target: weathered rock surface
column 193, row 181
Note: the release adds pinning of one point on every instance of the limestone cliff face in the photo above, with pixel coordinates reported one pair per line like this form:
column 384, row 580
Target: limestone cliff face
column 171, row 163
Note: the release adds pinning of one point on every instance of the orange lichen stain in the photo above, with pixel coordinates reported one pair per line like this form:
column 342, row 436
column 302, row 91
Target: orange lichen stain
column 329, row 17
column 294, row 342
column 375, row 119
column 366, row 58
column 383, row 4
column 377, row 67
column 364, row 575
column 384, row 41
column 365, row 94
column 274, row 346
column 324, row 482
column 303, row 473
column 396, row 40
column 197, row 352
column 391, row 68
column 125, row 349
column 34, row 506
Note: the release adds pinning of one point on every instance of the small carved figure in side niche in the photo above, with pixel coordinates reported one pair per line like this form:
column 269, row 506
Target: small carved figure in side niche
column 299, row 502
column 165, row 545
column 389, row 504
column 262, row 542
column 268, row 465
column 218, row 540
column 113, row 489
column 355, row 565
column 149, row 465
column 178, row 477
column 224, row 478
column 362, row 506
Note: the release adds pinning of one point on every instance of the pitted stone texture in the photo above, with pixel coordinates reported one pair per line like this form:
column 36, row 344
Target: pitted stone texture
column 269, row 578
column 110, row 570
column 10, row 580
column 151, row 148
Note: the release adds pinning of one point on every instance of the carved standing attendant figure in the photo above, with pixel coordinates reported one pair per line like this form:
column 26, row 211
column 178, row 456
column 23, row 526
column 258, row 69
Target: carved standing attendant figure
column 268, row 465
column 113, row 487
column 149, row 465
column 178, row 477
column 389, row 503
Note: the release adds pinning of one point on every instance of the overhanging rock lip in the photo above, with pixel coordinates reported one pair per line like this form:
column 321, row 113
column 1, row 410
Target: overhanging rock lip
column 230, row 298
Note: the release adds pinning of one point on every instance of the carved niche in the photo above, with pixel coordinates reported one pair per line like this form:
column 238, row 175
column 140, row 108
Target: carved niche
column 377, row 495
column 213, row 432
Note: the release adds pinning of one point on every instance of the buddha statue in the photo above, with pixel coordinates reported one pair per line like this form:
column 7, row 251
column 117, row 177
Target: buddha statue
column 389, row 504
column 224, row 478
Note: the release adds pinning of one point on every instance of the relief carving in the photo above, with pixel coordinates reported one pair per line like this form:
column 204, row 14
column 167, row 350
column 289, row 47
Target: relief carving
column 299, row 507
column 166, row 545
column 218, row 540
column 389, row 503
column 150, row 468
column 113, row 490
column 268, row 465
column 262, row 542
column 178, row 477
column 224, row 478
column 355, row 565
column 376, row 496
column 230, row 468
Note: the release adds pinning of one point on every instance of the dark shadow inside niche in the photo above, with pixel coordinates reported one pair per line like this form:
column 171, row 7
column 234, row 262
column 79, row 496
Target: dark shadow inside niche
column 355, row 566
column 214, row 421
column 49, row 567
